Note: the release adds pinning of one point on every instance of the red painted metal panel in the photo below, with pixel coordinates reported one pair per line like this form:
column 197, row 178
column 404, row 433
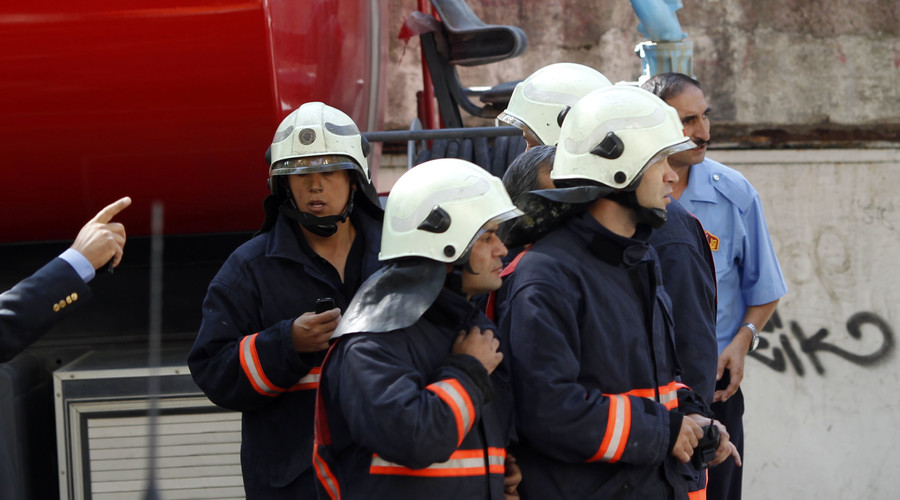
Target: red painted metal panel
column 171, row 100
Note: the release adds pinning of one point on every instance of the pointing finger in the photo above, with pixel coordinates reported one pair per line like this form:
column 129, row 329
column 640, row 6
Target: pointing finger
column 111, row 210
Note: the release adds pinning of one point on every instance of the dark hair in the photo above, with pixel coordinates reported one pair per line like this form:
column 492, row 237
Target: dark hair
column 669, row 85
column 522, row 175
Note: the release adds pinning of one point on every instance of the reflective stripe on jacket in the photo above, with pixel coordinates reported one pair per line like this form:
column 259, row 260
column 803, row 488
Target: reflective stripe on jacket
column 589, row 334
column 399, row 416
column 244, row 358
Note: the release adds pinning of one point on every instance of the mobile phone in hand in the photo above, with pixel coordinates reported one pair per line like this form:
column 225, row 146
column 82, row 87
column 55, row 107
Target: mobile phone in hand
column 324, row 304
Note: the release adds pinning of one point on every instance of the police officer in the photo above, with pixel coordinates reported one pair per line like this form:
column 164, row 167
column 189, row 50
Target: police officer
column 749, row 278
column 263, row 337
column 414, row 400
column 600, row 412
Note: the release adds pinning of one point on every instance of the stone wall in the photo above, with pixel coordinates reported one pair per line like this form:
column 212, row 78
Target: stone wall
column 776, row 72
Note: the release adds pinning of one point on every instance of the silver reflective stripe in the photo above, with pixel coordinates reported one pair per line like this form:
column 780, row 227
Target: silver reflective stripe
column 496, row 460
column 668, row 397
column 252, row 370
column 616, row 439
column 326, row 478
column 655, row 118
column 548, row 97
column 309, row 379
column 460, row 401
column 412, row 221
column 453, row 463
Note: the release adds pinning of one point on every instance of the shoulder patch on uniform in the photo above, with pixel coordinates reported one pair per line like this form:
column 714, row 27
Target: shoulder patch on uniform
column 713, row 241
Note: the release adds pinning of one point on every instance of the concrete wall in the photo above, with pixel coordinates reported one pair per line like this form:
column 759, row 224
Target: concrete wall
column 821, row 395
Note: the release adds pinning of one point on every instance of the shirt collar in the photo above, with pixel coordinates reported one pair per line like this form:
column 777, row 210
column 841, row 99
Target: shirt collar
column 699, row 187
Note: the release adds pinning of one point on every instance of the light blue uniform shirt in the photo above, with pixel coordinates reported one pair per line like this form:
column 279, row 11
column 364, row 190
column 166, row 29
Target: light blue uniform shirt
column 747, row 270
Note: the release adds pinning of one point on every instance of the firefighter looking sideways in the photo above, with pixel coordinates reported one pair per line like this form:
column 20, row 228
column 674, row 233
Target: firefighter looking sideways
column 587, row 327
column 414, row 400
column 263, row 338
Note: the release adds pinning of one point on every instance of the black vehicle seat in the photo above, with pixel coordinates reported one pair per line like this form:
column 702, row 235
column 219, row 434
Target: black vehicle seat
column 465, row 40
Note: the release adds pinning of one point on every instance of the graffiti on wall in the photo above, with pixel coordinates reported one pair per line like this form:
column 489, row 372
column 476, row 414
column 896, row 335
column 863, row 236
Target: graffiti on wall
column 789, row 348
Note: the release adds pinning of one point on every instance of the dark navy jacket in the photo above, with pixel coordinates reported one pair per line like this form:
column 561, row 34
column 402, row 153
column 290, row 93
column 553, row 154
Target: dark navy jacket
column 38, row 302
column 589, row 333
column 689, row 276
column 399, row 416
column 244, row 359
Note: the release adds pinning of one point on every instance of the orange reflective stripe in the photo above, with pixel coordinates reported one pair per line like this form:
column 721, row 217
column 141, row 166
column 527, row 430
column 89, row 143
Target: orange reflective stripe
column 253, row 370
column 326, row 477
column 618, row 426
column 456, row 397
column 697, row 495
column 309, row 381
column 460, row 464
column 668, row 394
column 497, row 460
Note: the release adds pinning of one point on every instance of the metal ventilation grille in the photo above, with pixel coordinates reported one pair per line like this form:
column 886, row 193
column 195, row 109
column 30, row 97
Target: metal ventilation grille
column 198, row 455
column 103, row 431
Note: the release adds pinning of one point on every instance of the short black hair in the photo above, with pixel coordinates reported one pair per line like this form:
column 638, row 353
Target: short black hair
column 669, row 85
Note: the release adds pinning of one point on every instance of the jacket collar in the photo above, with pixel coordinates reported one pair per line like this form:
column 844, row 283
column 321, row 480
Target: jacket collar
column 699, row 187
column 610, row 247
column 282, row 241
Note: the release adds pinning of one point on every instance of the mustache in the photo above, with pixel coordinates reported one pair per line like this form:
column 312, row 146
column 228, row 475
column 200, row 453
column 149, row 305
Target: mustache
column 700, row 142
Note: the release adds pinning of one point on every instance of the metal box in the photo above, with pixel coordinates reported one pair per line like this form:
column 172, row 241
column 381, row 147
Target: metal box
column 103, row 431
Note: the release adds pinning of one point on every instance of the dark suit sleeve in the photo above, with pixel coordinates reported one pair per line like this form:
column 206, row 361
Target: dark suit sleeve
column 37, row 303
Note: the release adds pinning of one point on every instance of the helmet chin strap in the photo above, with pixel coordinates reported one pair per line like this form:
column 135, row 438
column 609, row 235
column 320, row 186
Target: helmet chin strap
column 654, row 217
column 320, row 226
column 454, row 278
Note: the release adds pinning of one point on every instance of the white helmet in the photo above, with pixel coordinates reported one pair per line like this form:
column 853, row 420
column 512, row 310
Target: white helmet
column 319, row 138
column 537, row 101
column 318, row 130
column 438, row 209
column 612, row 135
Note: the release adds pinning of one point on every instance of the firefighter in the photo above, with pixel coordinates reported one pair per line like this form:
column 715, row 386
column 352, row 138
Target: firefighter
column 262, row 340
column 600, row 412
column 537, row 102
column 414, row 400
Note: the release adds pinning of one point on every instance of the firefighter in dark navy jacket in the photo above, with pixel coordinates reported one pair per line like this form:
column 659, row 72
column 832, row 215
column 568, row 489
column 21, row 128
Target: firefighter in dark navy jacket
column 414, row 401
column 600, row 412
column 262, row 340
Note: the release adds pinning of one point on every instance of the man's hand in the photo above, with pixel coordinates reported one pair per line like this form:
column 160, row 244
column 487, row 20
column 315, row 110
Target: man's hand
column 512, row 478
column 481, row 346
column 101, row 240
column 732, row 358
column 310, row 332
column 687, row 440
column 726, row 448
